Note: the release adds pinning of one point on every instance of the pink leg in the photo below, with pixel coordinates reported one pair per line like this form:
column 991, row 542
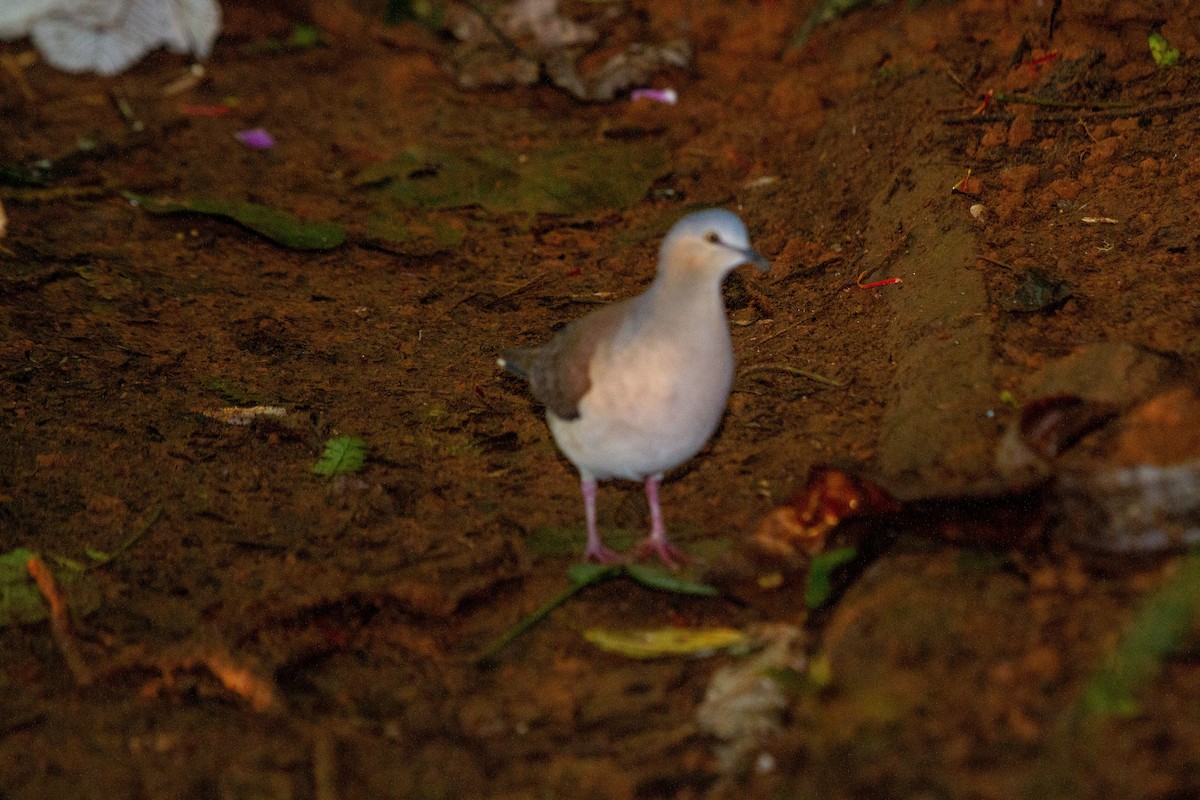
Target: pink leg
column 596, row 551
column 657, row 542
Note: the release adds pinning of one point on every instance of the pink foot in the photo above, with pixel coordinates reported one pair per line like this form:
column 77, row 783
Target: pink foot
column 601, row 554
column 671, row 556
column 657, row 542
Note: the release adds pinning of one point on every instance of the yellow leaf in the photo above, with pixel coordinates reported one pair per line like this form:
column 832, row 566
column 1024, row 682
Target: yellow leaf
column 666, row 642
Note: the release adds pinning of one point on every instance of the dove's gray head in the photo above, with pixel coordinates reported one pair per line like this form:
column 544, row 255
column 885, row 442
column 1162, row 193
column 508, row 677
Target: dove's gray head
column 708, row 244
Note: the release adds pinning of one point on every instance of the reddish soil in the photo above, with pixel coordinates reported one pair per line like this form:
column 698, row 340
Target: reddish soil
column 278, row 634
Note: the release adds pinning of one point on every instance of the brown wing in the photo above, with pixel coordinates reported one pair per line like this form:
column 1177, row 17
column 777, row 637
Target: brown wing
column 559, row 375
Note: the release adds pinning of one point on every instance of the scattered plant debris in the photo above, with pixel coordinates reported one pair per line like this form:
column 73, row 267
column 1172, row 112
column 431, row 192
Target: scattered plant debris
column 343, row 455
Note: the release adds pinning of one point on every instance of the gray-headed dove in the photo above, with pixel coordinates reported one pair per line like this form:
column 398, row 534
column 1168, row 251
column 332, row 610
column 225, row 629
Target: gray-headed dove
column 636, row 388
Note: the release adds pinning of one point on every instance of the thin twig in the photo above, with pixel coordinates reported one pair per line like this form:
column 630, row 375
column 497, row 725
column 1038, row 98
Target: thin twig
column 511, row 293
column 797, row 371
column 1126, row 111
column 60, row 620
column 1000, row 264
column 1045, row 102
column 781, row 331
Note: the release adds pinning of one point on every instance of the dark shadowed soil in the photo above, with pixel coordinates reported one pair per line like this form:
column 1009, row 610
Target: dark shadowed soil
column 273, row 633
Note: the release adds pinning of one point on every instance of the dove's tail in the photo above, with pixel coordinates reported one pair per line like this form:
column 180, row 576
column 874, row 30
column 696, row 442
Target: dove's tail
column 518, row 360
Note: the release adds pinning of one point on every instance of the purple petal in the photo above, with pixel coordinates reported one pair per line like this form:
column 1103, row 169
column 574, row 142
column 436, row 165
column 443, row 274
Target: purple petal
column 255, row 138
column 667, row 96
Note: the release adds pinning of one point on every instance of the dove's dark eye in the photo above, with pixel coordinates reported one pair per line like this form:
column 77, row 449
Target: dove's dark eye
column 712, row 236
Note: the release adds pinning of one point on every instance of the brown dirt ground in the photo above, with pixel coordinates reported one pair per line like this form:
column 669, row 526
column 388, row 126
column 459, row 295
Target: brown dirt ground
column 361, row 602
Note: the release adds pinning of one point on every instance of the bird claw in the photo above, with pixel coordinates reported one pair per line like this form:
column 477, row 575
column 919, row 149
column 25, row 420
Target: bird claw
column 671, row 556
column 601, row 555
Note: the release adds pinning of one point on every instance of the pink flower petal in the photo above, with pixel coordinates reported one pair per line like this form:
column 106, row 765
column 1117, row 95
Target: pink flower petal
column 667, row 96
column 255, row 138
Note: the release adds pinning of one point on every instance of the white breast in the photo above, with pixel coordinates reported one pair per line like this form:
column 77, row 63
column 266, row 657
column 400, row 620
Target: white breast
column 652, row 405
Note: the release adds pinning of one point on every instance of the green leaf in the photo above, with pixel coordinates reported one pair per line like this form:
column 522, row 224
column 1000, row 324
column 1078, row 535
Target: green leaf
column 565, row 179
column 305, row 37
column 663, row 581
column 820, row 575
column 68, row 563
column 583, row 574
column 278, row 226
column 1165, row 54
column 97, row 555
column 20, row 600
column 343, row 455
column 1159, row 628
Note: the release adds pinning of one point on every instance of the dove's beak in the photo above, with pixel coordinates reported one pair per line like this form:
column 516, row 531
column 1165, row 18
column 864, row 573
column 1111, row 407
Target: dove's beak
column 757, row 260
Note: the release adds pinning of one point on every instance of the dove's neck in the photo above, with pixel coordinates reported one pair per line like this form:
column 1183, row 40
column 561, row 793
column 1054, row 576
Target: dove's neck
column 685, row 302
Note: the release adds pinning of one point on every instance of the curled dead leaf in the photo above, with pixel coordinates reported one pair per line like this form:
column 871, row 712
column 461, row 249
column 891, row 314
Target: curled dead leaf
column 829, row 496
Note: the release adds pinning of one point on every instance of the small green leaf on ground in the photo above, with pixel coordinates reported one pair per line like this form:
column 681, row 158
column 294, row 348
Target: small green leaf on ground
column 820, row 575
column 1159, row 628
column 583, row 574
column 305, row 36
column 664, row 581
column 20, row 601
column 278, row 226
column 343, row 455
column 1165, row 54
